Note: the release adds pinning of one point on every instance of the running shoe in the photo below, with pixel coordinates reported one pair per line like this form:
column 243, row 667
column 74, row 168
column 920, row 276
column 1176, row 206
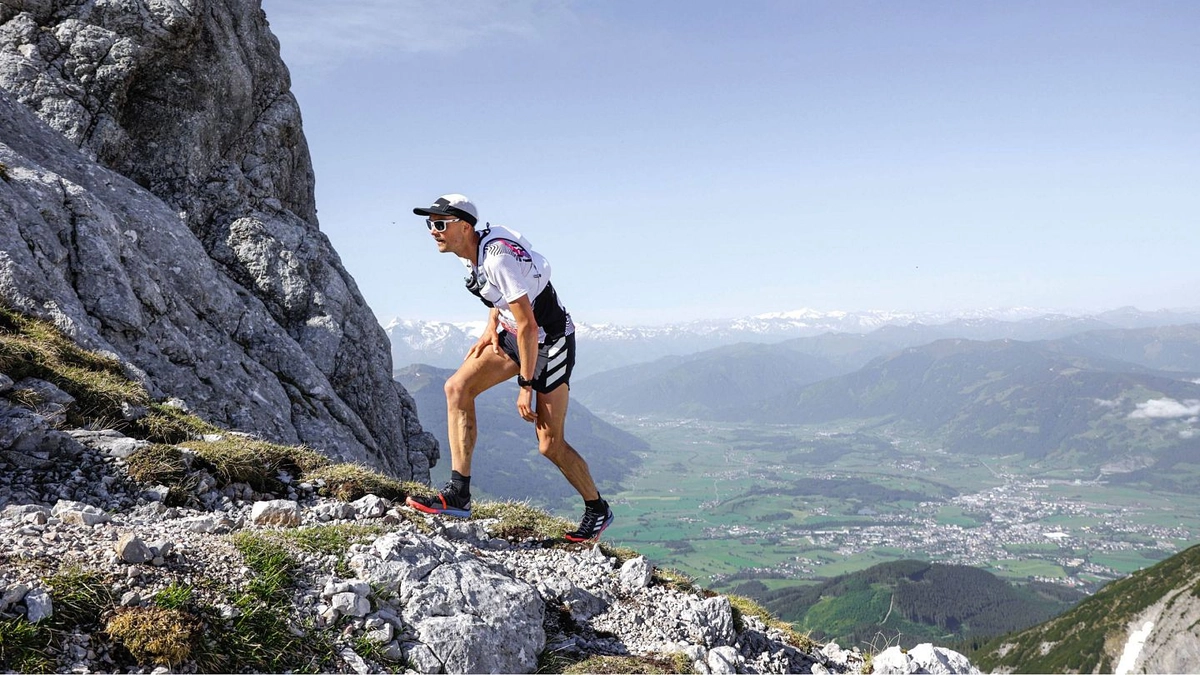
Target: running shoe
column 447, row 502
column 593, row 523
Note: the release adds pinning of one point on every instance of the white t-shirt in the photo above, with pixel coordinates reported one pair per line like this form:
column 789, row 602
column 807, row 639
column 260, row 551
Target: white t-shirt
column 508, row 269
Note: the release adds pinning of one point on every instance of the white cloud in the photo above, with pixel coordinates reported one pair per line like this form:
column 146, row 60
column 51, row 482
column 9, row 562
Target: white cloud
column 1104, row 403
column 324, row 33
column 1166, row 408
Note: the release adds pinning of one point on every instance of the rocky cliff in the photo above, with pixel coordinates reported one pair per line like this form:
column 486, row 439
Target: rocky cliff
column 156, row 202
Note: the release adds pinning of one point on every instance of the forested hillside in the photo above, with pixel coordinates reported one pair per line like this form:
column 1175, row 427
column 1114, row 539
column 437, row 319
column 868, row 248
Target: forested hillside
column 911, row 601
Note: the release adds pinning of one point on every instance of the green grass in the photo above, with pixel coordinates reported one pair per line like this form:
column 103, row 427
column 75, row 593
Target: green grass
column 34, row 348
column 520, row 520
column 331, row 539
column 175, row 596
column 611, row 665
column 238, row 459
column 349, row 482
column 24, row 647
column 261, row 638
column 79, row 596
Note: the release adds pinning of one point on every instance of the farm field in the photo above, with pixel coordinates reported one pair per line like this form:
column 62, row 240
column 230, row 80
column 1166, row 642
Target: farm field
column 728, row 502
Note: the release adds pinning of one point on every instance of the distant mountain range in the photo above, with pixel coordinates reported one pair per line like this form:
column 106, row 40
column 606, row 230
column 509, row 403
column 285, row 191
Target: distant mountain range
column 1129, row 396
column 608, row 346
column 506, row 463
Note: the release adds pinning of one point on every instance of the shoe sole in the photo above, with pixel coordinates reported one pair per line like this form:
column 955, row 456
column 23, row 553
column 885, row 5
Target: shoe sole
column 603, row 527
column 456, row 513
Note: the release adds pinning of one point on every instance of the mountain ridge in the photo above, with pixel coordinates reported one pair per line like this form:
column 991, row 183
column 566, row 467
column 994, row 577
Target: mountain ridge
column 608, row 346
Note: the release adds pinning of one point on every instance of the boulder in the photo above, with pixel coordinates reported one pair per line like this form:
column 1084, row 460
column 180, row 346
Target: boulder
column 77, row 513
column 131, row 549
column 277, row 512
column 635, row 574
column 924, row 658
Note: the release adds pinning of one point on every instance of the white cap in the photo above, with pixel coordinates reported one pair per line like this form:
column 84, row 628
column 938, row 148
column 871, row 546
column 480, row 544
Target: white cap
column 451, row 205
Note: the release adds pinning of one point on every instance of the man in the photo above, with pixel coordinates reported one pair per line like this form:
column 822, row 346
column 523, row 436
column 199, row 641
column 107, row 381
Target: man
column 530, row 335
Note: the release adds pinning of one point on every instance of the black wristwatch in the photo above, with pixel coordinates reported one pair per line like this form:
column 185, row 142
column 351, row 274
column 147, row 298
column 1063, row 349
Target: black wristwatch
column 522, row 382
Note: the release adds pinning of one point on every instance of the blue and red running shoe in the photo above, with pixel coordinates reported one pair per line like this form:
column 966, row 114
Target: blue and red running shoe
column 447, row 502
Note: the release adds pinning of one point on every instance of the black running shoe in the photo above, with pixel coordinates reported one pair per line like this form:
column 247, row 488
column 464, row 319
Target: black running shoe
column 593, row 523
column 447, row 502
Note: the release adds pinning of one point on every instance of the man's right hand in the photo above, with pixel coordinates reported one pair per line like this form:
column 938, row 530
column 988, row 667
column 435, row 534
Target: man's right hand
column 489, row 338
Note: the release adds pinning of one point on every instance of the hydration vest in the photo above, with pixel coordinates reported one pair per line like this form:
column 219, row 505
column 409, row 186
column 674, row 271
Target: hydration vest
column 549, row 314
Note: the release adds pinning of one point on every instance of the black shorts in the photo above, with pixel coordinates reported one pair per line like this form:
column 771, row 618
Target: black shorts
column 555, row 360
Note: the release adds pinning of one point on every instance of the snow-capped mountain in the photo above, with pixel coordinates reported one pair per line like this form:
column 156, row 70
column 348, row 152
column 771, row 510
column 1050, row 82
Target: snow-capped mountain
column 613, row 345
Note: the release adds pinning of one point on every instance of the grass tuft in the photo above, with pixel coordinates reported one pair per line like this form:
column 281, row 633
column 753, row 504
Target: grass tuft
column 31, row 347
column 237, row 459
column 34, row 348
column 743, row 607
column 349, row 482
column 155, row 635
column 261, row 638
column 156, row 464
column 674, row 579
column 623, row 554
column 168, row 424
column 79, row 597
column 519, row 520
column 24, row 647
column 330, row 539
column 175, row 596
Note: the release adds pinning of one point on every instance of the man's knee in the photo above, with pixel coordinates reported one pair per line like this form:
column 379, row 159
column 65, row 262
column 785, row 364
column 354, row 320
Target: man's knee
column 551, row 446
column 457, row 393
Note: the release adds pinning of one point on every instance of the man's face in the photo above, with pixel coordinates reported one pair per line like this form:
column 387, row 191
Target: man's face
column 449, row 232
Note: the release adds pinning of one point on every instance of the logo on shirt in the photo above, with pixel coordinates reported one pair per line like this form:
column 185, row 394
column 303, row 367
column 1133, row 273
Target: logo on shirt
column 502, row 246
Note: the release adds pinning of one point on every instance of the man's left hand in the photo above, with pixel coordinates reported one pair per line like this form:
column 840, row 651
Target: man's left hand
column 525, row 404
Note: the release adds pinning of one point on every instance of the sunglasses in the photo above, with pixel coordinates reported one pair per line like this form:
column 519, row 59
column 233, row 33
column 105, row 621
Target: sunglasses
column 439, row 225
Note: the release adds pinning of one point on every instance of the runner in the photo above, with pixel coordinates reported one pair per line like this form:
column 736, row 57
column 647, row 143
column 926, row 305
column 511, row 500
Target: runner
column 530, row 335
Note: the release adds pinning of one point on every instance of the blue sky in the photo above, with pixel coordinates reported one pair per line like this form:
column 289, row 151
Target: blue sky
column 693, row 159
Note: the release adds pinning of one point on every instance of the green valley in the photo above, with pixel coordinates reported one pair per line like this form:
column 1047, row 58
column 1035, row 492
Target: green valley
column 789, row 505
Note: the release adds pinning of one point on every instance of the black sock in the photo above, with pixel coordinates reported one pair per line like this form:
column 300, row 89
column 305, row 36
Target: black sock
column 461, row 484
column 597, row 504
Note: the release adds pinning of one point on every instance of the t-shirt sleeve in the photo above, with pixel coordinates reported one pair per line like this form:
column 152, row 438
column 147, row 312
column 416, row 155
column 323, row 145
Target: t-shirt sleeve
column 504, row 272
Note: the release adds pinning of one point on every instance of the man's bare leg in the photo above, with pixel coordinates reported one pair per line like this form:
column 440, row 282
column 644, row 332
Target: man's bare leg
column 476, row 375
column 551, row 420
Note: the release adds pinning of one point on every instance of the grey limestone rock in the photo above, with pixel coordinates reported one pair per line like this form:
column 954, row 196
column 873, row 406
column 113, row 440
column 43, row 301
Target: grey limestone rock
column 723, row 660
column 471, row 618
column 38, row 604
column 636, row 573
column 131, row 549
column 108, row 441
column 924, row 658
column 77, row 513
column 281, row 512
column 158, row 205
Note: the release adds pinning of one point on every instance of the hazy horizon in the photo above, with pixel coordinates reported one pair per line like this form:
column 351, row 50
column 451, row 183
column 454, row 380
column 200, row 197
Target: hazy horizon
column 1008, row 314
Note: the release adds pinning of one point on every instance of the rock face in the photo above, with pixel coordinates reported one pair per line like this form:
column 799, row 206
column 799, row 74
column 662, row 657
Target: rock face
column 156, row 202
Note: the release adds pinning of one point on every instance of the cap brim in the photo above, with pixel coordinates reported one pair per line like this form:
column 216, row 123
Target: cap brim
column 451, row 211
